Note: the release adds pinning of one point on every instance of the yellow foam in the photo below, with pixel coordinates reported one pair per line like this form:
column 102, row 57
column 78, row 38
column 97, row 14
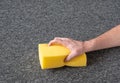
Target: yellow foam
column 53, row 57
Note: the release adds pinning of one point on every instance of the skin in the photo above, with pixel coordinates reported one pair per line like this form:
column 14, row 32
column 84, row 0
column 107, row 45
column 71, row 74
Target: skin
column 108, row 39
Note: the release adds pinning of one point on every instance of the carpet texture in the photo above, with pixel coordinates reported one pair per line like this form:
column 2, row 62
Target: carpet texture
column 26, row 23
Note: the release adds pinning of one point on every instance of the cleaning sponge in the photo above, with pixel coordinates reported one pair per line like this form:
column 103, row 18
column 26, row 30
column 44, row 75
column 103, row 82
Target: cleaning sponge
column 53, row 57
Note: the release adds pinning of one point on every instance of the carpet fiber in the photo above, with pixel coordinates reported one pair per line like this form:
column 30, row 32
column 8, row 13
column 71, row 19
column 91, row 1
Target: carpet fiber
column 26, row 23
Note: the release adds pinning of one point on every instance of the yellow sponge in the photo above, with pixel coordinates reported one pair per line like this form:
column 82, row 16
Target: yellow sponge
column 53, row 57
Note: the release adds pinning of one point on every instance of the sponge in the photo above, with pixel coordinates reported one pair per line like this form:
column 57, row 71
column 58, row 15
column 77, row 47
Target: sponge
column 53, row 57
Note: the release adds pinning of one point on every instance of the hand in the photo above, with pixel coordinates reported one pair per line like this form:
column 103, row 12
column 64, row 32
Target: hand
column 76, row 47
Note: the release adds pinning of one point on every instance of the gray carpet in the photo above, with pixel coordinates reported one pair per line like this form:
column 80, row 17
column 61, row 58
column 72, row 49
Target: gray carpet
column 26, row 23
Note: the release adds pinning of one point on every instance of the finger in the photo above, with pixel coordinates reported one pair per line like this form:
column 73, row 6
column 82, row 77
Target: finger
column 53, row 41
column 67, row 39
column 56, row 41
column 57, row 38
column 63, row 38
column 70, row 56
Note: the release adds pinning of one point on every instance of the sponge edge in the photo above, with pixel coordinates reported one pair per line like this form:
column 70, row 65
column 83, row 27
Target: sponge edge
column 53, row 57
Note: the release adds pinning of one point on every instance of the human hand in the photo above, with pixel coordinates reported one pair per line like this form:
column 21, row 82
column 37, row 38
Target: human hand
column 76, row 47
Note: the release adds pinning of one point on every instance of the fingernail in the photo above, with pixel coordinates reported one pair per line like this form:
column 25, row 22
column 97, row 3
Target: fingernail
column 66, row 60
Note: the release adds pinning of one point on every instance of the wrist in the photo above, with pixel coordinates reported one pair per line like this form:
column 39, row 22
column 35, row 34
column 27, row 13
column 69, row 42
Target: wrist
column 89, row 45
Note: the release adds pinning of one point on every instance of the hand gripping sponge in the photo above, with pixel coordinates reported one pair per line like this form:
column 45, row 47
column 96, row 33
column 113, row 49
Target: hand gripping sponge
column 53, row 57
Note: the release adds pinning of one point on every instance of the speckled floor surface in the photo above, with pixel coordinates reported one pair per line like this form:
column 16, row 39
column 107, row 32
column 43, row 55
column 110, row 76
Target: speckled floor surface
column 26, row 23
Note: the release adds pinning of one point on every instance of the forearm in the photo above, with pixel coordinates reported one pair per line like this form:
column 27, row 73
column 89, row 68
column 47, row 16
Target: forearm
column 109, row 39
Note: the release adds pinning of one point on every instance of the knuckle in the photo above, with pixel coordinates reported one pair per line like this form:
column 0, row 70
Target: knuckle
column 67, row 39
column 55, row 38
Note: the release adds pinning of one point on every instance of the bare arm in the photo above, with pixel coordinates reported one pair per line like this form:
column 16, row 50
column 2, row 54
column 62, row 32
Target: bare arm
column 109, row 39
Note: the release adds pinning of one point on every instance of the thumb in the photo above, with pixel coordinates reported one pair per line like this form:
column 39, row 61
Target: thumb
column 70, row 56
